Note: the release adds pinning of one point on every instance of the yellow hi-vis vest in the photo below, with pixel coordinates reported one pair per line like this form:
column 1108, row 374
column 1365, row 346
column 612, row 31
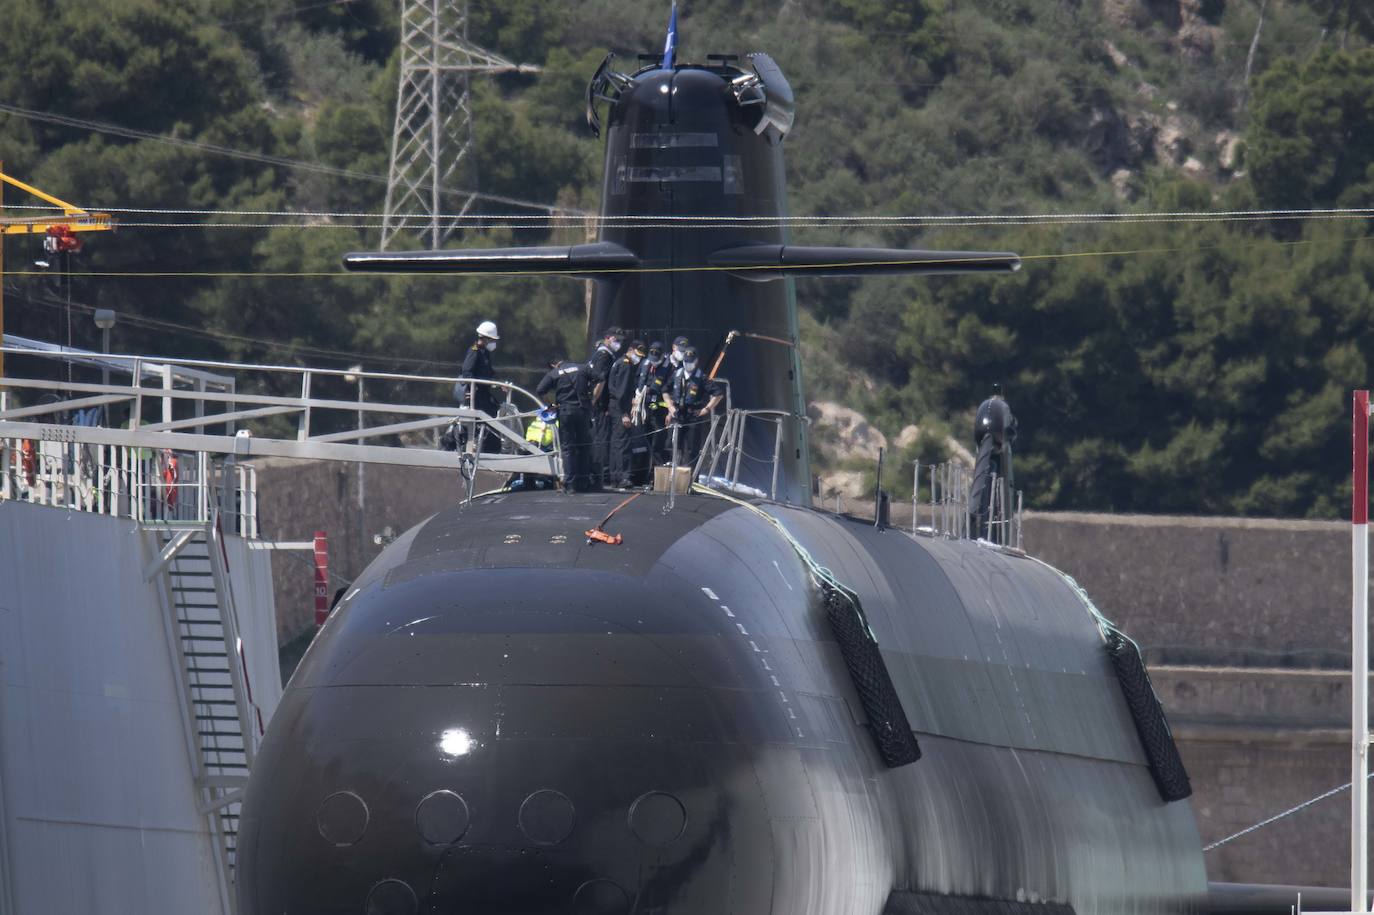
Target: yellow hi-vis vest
column 540, row 433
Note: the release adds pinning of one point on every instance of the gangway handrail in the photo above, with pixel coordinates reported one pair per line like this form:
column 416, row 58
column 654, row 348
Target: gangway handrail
column 192, row 433
column 250, row 367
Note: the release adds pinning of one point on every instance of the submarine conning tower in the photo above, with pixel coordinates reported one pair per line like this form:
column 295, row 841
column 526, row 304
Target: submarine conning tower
column 694, row 155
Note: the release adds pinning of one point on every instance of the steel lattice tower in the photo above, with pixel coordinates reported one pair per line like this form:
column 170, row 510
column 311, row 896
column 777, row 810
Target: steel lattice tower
column 432, row 141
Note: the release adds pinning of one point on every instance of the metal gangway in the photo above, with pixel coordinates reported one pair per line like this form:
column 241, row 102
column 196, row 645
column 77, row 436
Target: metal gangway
column 203, row 413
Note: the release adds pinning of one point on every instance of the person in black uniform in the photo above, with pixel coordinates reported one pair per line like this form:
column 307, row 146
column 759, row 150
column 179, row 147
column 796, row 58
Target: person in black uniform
column 690, row 402
column 679, row 347
column 620, row 412
column 477, row 366
column 598, row 378
column 655, row 378
column 565, row 388
column 994, row 431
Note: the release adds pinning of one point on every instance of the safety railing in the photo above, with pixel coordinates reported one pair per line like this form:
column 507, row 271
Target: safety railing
column 270, row 410
column 723, row 452
column 950, row 512
column 175, row 488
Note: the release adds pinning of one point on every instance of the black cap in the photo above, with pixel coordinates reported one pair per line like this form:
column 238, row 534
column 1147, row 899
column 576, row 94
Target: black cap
column 613, row 331
column 656, row 347
column 682, row 341
column 689, row 353
column 637, row 347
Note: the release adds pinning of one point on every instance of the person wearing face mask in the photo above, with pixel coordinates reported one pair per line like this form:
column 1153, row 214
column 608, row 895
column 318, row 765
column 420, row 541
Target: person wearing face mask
column 655, row 377
column 620, row 412
column 598, row 378
column 477, row 366
column 691, row 401
column 679, row 347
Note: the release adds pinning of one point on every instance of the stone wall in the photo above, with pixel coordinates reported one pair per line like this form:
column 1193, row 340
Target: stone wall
column 1246, row 624
column 297, row 498
column 1211, row 590
column 1257, row 742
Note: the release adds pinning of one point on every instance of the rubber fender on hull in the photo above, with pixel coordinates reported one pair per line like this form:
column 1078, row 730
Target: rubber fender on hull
column 883, row 707
column 907, row 903
column 1166, row 766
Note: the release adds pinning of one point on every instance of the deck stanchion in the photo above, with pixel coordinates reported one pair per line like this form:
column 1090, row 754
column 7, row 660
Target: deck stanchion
column 1359, row 651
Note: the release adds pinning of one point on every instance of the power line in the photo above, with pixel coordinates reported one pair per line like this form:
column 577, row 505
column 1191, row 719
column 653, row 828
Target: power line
column 563, row 220
column 148, row 323
column 287, row 14
column 216, row 149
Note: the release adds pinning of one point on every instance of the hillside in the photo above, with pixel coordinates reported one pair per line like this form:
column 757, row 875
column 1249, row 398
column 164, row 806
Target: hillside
column 1205, row 368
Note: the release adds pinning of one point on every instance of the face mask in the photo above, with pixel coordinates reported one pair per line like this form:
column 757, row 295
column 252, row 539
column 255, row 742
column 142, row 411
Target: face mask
column 690, row 367
column 491, row 346
column 615, row 346
column 677, row 357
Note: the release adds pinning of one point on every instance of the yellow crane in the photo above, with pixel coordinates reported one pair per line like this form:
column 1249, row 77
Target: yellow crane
column 58, row 231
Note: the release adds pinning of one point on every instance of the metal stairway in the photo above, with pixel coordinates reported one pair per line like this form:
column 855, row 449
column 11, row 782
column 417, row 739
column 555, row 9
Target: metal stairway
column 221, row 724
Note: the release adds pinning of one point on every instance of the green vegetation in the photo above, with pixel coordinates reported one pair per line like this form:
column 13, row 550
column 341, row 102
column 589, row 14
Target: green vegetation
column 1200, row 367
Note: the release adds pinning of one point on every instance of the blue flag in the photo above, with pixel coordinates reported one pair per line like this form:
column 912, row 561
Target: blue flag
column 670, row 46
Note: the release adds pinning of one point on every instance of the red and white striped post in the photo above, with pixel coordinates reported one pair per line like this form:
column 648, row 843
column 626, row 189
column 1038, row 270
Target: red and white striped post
column 1359, row 655
column 321, row 578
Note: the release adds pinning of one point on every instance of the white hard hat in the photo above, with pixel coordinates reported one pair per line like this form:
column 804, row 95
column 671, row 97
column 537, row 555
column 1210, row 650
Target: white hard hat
column 488, row 329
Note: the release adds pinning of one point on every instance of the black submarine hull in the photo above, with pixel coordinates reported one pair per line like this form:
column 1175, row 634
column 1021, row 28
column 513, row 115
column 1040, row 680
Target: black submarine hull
column 503, row 718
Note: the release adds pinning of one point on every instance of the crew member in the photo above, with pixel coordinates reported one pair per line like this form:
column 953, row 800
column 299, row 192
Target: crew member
column 651, row 405
column 690, row 403
column 477, row 366
column 679, row 347
column 994, row 431
column 540, row 434
column 565, row 388
column 598, row 378
column 620, row 412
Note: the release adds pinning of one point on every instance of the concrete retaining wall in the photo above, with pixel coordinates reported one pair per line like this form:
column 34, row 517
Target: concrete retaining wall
column 297, row 498
column 1211, row 590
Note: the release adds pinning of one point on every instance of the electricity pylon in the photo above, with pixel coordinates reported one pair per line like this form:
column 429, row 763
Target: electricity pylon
column 432, row 141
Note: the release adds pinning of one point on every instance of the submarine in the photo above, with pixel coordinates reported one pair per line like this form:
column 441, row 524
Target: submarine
column 747, row 706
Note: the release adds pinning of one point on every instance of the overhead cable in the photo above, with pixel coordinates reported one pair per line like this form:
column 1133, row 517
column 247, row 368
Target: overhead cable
column 572, row 218
column 1279, row 816
column 218, row 150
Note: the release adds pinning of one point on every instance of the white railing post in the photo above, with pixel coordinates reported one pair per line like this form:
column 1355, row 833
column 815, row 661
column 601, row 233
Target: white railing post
column 136, row 418
column 167, row 398
column 1359, row 653
column 303, row 422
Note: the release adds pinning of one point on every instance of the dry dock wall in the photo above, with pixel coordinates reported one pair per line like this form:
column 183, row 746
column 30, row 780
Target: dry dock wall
column 1246, row 625
column 297, row 498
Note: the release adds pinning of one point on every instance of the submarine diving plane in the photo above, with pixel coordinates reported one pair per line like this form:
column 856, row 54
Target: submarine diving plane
column 747, row 707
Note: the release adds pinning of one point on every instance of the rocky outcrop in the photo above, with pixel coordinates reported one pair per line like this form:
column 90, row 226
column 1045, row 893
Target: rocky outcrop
column 842, row 434
column 1228, row 150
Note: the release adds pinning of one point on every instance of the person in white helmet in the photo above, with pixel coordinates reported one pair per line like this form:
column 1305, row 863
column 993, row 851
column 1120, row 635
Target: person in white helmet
column 477, row 366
